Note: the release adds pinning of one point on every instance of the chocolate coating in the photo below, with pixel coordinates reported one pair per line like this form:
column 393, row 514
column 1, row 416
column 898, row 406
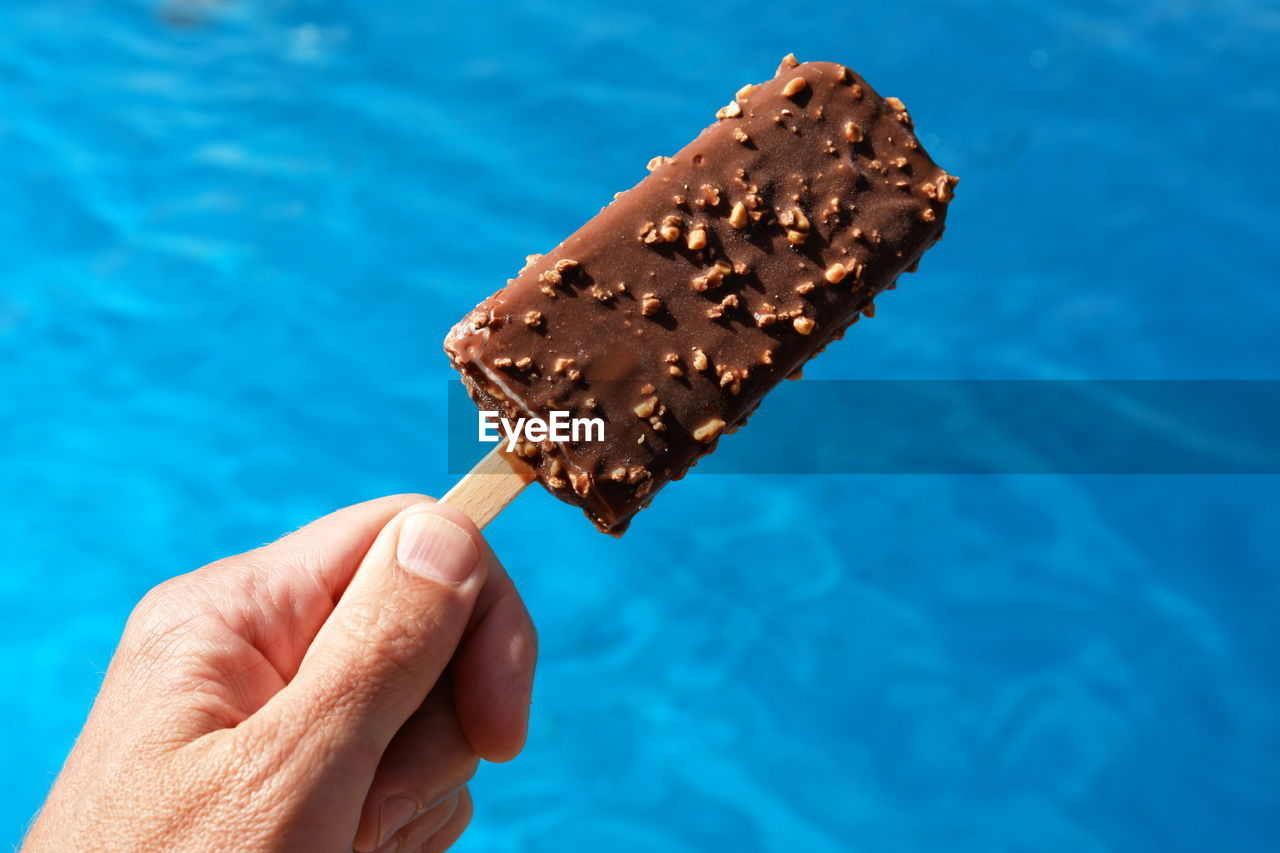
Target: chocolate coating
column 683, row 302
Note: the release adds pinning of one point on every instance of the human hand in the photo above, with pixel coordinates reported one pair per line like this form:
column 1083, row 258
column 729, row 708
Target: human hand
column 329, row 691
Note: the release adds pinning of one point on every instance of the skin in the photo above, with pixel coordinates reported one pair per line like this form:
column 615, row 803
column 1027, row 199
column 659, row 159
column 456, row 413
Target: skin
column 326, row 692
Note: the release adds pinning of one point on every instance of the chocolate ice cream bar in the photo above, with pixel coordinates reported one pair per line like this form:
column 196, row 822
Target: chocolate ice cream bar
column 673, row 312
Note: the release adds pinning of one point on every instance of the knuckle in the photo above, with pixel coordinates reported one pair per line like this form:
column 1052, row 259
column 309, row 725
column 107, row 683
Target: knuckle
column 383, row 631
column 159, row 613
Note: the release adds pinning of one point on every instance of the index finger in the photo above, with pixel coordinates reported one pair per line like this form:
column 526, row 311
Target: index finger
column 492, row 671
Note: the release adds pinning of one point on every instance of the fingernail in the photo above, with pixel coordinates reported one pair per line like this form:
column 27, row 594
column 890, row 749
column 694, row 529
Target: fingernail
column 434, row 547
column 394, row 813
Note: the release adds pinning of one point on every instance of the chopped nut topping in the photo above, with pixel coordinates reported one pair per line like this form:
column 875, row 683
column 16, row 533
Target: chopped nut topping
column 789, row 61
column 647, row 388
column 671, row 358
column 618, row 474
column 675, row 370
column 710, row 279
column 646, row 407
column 699, row 359
column 869, row 311
column 658, row 161
column 766, row 357
column 741, row 135
column 730, row 301
column 697, row 239
column 581, row 481
column 803, row 325
column 795, row 86
column 502, row 361
column 852, row 132
column 599, row 293
column 670, row 233
column 766, row 319
column 795, row 237
column 745, row 91
column 715, row 312
column 946, row 188
column 528, row 450
column 565, row 264
column 533, row 319
column 709, row 430
column 835, row 273
column 855, row 91
column 731, row 110
column 557, row 468
column 896, row 104
column 563, row 364
column 556, row 483
column 804, row 287
column 928, row 215
column 551, row 277
column 842, row 75
column 738, row 216
column 524, row 363
column 650, row 304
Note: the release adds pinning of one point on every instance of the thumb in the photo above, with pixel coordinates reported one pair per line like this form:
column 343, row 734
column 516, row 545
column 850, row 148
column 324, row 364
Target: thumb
column 393, row 631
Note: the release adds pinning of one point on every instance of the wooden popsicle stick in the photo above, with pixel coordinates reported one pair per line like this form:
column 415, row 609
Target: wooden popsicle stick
column 487, row 488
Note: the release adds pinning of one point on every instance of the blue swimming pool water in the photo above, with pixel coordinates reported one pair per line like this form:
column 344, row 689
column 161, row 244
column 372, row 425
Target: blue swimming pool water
column 232, row 235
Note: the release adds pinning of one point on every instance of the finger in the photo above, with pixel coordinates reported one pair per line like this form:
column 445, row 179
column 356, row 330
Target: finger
column 294, row 581
column 453, row 828
column 428, row 761
column 386, row 643
column 493, row 670
column 430, row 824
